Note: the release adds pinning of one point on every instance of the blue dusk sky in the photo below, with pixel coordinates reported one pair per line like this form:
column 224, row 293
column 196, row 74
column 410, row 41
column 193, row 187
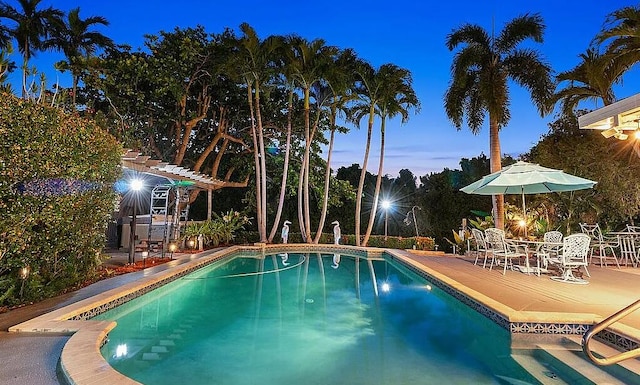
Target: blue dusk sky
column 410, row 34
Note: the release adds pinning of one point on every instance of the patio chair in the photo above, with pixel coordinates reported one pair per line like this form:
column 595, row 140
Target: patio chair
column 549, row 248
column 600, row 243
column 628, row 249
column 633, row 229
column 572, row 256
column 481, row 246
column 503, row 251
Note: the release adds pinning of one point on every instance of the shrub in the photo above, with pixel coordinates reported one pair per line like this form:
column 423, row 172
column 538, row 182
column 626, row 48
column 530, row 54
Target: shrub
column 56, row 195
column 222, row 229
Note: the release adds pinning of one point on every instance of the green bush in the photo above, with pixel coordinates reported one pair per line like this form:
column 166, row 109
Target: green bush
column 56, row 195
column 421, row 243
column 221, row 229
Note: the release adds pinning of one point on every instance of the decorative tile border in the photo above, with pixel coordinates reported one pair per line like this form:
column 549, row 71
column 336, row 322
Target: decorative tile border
column 555, row 328
column 143, row 290
column 256, row 250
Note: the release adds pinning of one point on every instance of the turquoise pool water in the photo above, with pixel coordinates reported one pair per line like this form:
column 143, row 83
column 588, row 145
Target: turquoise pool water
column 306, row 319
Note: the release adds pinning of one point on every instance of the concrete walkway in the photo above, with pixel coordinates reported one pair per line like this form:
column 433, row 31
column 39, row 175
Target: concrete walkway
column 29, row 358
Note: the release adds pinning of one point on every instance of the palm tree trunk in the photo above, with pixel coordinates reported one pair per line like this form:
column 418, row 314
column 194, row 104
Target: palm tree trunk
column 74, row 89
column 363, row 174
column 327, row 178
column 496, row 165
column 376, row 194
column 285, row 170
column 24, row 80
column 300, row 203
column 263, row 170
column 256, row 159
column 307, row 155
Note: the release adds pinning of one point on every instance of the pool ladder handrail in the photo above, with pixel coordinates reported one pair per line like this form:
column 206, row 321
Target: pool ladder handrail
column 595, row 329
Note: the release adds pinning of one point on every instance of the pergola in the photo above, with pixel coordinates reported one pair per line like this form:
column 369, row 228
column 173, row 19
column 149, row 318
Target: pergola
column 141, row 163
column 614, row 119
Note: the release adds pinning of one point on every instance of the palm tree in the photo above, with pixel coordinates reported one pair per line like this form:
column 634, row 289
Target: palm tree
column 622, row 32
column 364, row 106
column 5, row 37
column 308, row 61
column 255, row 58
column 6, row 66
column 77, row 42
column 33, row 26
column 389, row 91
column 336, row 93
column 592, row 79
column 480, row 72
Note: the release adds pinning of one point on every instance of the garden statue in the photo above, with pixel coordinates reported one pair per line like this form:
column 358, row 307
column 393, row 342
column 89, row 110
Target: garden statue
column 285, row 232
column 336, row 232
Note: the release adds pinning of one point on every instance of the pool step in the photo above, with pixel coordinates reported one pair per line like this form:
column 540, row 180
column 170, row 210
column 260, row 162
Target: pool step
column 159, row 349
column 604, row 350
column 544, row 373
column 563, row 362
column 150, row 357
column 581, row 369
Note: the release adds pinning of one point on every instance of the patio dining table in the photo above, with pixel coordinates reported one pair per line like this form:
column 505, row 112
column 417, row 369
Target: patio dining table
column 532, row 248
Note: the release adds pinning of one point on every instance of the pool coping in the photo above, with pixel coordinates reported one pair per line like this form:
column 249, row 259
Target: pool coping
column 82, row 363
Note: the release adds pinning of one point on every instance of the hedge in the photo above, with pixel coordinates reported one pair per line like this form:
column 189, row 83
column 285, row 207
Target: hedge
column 420, row 243
column 56, row 195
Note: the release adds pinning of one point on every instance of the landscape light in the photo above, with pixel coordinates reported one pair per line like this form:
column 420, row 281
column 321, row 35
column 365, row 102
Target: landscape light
column 135, row 185
column 172, row 249
column 386, row 205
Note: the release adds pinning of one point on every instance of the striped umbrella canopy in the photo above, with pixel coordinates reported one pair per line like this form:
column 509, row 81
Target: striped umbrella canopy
column 527, row 178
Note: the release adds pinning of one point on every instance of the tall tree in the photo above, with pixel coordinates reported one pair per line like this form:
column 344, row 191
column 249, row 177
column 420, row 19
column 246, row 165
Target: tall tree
column 309, row 61
column 337, row 91
column 256, row 67
column 592, row 79
column 5, row 37
column 32, row 27
column 622, row 35
column 480, row 75
column 390, row 88
column 78, row 43
column 364, row 106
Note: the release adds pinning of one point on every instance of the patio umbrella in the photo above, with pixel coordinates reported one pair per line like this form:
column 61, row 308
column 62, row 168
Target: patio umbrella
column 527, row 178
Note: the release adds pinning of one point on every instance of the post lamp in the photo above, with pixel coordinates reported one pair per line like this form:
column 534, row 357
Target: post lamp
column 386, row 206
column 145, row 254
column 134, row 186
column 407, row 221
column 172, row 249
column 24, row 274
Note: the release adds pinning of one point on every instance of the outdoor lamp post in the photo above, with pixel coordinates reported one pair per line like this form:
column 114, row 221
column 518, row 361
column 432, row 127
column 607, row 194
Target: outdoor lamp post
column 24, row 274
column 134, row 186
column 386, row 206
column 145, row 254
column 172, row 248
column 415, row 223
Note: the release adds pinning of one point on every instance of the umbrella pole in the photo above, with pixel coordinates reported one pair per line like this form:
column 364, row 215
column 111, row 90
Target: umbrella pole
column 524, row 214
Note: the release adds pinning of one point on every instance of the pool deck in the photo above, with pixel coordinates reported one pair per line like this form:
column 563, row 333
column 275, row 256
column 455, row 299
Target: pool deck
column 32, row 358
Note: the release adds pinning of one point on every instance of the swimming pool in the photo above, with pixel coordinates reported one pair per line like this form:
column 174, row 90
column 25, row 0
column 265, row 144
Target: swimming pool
column 306, row 318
